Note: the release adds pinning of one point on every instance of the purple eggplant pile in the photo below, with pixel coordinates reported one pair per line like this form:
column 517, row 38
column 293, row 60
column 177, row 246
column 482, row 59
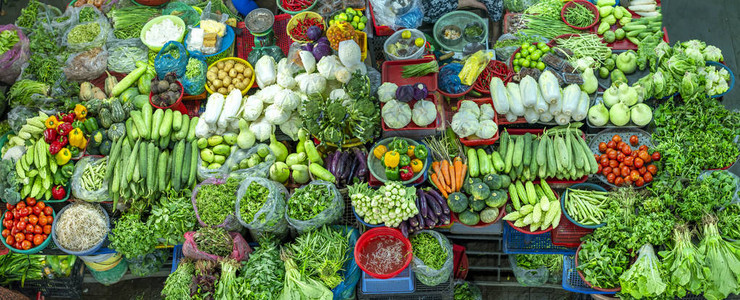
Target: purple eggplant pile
column 348, row 165
column 433, row 212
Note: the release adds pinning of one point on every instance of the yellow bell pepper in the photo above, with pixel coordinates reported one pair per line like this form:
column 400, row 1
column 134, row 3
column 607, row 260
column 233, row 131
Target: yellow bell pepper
column 63, row 156
column 52, row 122
column 77, row 138
column 391, row 159
column 410, row 151
column 379, row 151
column 417, row 165
column 80, row 112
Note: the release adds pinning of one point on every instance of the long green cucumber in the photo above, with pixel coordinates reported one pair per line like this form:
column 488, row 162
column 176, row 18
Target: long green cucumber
column 143, row 162
column 193, row 163
column 156, row 122
column 162, row 171
column 151, row 170
column 185, row 171
column 191, row 130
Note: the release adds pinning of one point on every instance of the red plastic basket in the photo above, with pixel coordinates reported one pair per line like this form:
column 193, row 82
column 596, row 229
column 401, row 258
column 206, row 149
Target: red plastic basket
column 392, row 69
column 588, row 5
column 378, row 232
column 613, row 290
column 568, row 234
column 380, row 30
column 178, row 105
column 495, row 68
column 412, row 126
column 501, row 213
column 245, row 39
column 480, row 142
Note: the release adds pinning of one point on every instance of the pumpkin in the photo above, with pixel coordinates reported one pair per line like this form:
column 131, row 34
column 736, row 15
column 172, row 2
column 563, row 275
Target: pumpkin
column 489, row 215
column 457, row 202
column 497, row 198
column 117, row 131
column 469, row 218
column 468, row 183
column 105, row 147
column 493, row 181
column 477, row 205
column 105, row 118
column 117, row 112
column 480, row 191
column 340, row 31
column 505, row 181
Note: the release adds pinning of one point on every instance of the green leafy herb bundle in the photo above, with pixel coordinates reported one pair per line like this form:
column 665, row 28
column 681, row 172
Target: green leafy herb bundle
column 214, row 240
column 321, row 254
column 427, row 248
column 216, row 201
column 723, row 260
column 601, row 263
column 729, row 221
column 177, row 285
column 132, row 237
column 309, row 201
column 254, row 198
column 684, row 264
column 264, row 273
column 172, row 216
column 644, row 279
column 553, row 262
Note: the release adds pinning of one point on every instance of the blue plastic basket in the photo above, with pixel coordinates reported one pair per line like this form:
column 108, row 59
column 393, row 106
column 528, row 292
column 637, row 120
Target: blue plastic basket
column 581, row 186
column 572, row 282
column 359, row 219
column 227, row 46
column 176, row 257
column 403, row 283
column 732, row 77
column 516, row 242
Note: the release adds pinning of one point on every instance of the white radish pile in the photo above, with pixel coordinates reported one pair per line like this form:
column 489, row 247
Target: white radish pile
column 644, row 8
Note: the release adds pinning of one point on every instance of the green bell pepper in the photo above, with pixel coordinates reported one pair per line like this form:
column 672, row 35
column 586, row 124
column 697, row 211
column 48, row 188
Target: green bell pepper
column 68, row 170
column 392, row 173
column 405, row 160
column 78, row 124
column 421, row 152
column 91, row 124
column 399, row 145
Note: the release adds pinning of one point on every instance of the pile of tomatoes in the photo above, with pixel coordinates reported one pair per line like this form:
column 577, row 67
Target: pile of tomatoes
column 27, row 224
column 624, row 166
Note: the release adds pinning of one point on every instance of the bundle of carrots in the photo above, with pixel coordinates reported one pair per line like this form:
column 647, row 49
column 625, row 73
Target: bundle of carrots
column 449, row 174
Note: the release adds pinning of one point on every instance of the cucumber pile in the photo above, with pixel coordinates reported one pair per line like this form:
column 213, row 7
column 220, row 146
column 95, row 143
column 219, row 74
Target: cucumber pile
column 534, row 206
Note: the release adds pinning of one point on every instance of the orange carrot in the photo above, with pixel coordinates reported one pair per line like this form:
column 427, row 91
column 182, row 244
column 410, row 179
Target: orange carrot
column 462, row 175
column 453, row 180
column 439, row 185
column 445, row 166
column 458, row 170
column 438, row 171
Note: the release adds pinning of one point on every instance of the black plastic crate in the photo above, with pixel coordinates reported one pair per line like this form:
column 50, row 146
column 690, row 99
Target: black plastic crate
column 65, row 287
column 375, row 51
column 444, row 291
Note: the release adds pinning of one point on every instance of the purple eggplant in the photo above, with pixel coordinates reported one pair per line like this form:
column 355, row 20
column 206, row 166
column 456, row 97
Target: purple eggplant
column 348, row 161
column 411, row 230
column 404, row 229
column 434, row 205
column 432, row 217
column 422, row 202
column 420, row 219
column 442, row 203
column 362, row 157
column 445, row 219
column 330, row 164
column 352, row 171
column 413, row 222
column 336, row 163
column 431, row 223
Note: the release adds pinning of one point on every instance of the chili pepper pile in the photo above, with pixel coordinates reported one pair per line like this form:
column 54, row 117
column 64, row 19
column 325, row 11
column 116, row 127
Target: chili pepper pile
column 299, row 31
column 296, row 5
column 494, row 68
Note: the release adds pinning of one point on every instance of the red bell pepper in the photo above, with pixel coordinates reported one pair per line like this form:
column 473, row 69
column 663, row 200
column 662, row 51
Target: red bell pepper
column 406, row 173
column 58, row 192
column 63, row 141
column 50, row 135
column 57, row 145
column 65, row 128
column 67, row 118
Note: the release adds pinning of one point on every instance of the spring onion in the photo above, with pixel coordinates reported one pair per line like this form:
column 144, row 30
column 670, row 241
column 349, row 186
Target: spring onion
column 419, row 70
column 545, row 27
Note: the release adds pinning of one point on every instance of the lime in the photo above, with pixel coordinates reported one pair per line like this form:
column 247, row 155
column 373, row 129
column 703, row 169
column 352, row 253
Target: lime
column 541, row 66
column 354, row 24
column 361, row 26
column 538, row 52
column 356, row 19
column 343, row 17
column 534, row 57
column 363, row 19
column 524, row 52
column 515, row 62
column 532, row 49
column 517, row 68
column 350, row 11
column 541, row 45
column 525, row 45
column 419, row 42
column 406, row 34
column 525, row 64
column 336, row 17
column 518, row 55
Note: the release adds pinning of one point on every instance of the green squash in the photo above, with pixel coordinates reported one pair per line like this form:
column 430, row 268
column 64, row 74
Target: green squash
column 140, row 100
column 477, row 205
column 493, row 181
column 96, row 138
column 117, row 131
column 104, row 148
column 497, row 199
column 480, row 191
column 469, row 218
column 505, row 181
column 129, row 94
column 105, row 118
column 468, row 183
column 457, row 202
column 90, row 150
column 117, row 112
column 489, row 215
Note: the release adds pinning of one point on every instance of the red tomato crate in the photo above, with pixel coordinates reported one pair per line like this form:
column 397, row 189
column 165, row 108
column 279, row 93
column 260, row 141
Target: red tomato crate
column 568, row 234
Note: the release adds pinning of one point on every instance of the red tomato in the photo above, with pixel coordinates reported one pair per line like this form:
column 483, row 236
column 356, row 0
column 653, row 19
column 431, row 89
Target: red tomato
column 611, row 154
column 25, row 211
column 48, row 211
column 621, row 145
column 642, row 170
column 640, row 182
column 42, row 219
column 8, row 215
column 626, row 149
column 20, row 225
column 606, row 171
column 652, row 169
column 9, row 206
column 8, row 224
column 6, row 232
column 29, row 236
column 49, row 220
column 47, row 229
column 19, row 237
column 600, row 169
column 41, row 204
column 635, row 175
column 26, row 244
column 648, row 177
column 620, row 157
column 20, row 205
column 624, row 171
column 642, row 148
column 604, row 162
column 30, row 201
column 617, row 172
column 613, row 163
column 627, row 180
column 10, row 240
column 655, row 156
column 645, row 156
column 634, row 153
column 616, row 138
column 602, row 157
column 29, row 228
column 602, row 147
column 37, row 210
column 33, row 219
column 619, row 181
column 634, row 140
column 17, row 245
column 610, row 178
column 611, row 144
column 13, row 231
column 16, row 214
column 629, row 161
column 38, row 239
column 639, row 162
column 38, row 229
column 622, row 165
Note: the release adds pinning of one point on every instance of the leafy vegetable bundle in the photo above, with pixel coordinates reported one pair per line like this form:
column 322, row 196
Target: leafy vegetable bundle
column 216, row 201
column 321, row 254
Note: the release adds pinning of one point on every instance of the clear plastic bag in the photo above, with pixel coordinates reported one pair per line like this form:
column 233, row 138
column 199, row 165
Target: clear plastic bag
column 260, row 170
column 270, row 218
column 211, row 42
column 391, row 14
column 506, row 52
column 171, row 58
column 76, row 181
column 516, row 6
column 184, row 11
column 330, row 215
column 735, row 196
column 60, row 24
column 474, row 290
column 123, row 54
column 19, row 114
column 205, row 173
column 13, row 60
column 87, row 65
column 195, row 85
column 147, row 264
column 97, row 41
column 231, row 223
column 240, row 251
column 427, row 275
column 257, row 53
column 528, row 277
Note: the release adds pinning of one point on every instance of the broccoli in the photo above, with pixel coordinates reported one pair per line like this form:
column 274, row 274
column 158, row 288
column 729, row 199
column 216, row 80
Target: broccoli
column 9, row 184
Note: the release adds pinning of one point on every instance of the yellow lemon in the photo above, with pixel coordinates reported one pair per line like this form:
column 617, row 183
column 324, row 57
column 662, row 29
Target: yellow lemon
column 419, row 42
column 406, row 34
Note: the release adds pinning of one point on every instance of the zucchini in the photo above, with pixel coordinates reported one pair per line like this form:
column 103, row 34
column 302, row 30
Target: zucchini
column 140, row 125
column 176, row 120
column 156, row 122
column 191, row 130
column 518, row 151
column 193, row 163
column 503, row 147
column 166, row 127
column 131, row 130
column 533, row 166
column 178, row 162
column 162, row 171
column 143, row 163
column 183, row 132
column 146, row 114
column 527, row 156
column 127, row 81
column 542, row 151
column 497, row 161
column 152, row 160
column 169, row 171
column 484, row 162
column 509, row 156
column 473, row 166
column 185, row 171
column 164, row 141
column 551, row 160
column 514, row 197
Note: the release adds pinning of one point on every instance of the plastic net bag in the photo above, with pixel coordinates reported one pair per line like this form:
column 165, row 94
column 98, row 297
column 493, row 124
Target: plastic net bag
column 80, row 176
column 231, row 223
column 328, row 216
column 269, row 218
column 148, row 264
column 87, row 65
column 529, row 277
column 239, row 252
column 171, row 58
column 184, row 11
column 236, row 162
column 194, row 81
column 467, row 290
column 19, row 114
column 428, row 275
column 518, row 5
column 13, row 59
column 351, row 271
column 84, row 36
column 395, row 15
column 123, row 54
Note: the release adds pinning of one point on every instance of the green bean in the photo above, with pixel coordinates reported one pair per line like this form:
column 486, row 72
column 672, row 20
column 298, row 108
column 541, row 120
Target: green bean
column 579, row 15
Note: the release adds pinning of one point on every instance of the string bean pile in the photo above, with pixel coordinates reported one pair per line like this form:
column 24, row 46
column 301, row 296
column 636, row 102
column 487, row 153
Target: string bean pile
column 586, row 45
column 546, row 27
column 579, row 15
column 586, row 207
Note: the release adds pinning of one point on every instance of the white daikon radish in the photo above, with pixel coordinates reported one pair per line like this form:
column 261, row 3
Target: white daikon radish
column 511, row 117
column 571, row 96
column 549, row 87
column 531, row 115
column 545, row 117
column 582, row 109
column 556, row 108
column 562, row 119
column 541, row 106
column 515, row 99
column 642, row 2
column 499, row 95
column 529, row 89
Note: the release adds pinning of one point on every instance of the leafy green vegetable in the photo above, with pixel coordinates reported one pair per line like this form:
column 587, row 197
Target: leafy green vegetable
column 132, row 237
column 172, row 217
column 177, row 285
column 301, row 286
column 193, row 68
column 29, row 15
column 644, row 278
column 263, row 275
column 723, row 260
column 553, row 262
column 214, row 240
column 128, row 21
column 251, row 203
column 427, row 248
column 309, row 201
column 20, row 93
column 321, row 254
column 602, row 264
column 729, row 221
column 466, row 291
column 87, row 14
column 83, row 33
column 684, row 264
column 46, row 69
column 216, row 201
column 228, row 285
column 8, row 39
column 9, row 185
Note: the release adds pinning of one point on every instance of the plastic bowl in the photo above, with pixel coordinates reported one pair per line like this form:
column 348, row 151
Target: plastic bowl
column 178, row 105
column 290, row 12
column 85, row 252
column 588, row 5
column 227, row 43
column 33, row 250
column 397, row 36
column 300, row 17
column 612, row 290
column 246, row 63
column 378, row 170
column 580, row 186
column 378, row 232
column 175, row 19
column 359, row 219
column 732, row 77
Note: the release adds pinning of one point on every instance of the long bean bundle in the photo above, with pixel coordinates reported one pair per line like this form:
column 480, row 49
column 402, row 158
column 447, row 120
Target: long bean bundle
column 586, row 45
column 128, row 21
column 586, row 207
column 546, row 27
column 579, row 15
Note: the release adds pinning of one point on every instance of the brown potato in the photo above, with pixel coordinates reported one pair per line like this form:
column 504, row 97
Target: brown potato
column 248, row 73
column 220, row 65
column 233, row 73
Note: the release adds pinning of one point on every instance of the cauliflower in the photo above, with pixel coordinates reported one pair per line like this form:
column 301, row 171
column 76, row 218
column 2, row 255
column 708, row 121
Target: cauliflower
column 396, row 114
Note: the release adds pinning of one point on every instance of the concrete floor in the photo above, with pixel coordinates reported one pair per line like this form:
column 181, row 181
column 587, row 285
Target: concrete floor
column 717, row 22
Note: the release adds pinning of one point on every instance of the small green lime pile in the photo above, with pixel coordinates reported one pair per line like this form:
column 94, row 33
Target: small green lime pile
column 530, row 56
column 351, row 15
